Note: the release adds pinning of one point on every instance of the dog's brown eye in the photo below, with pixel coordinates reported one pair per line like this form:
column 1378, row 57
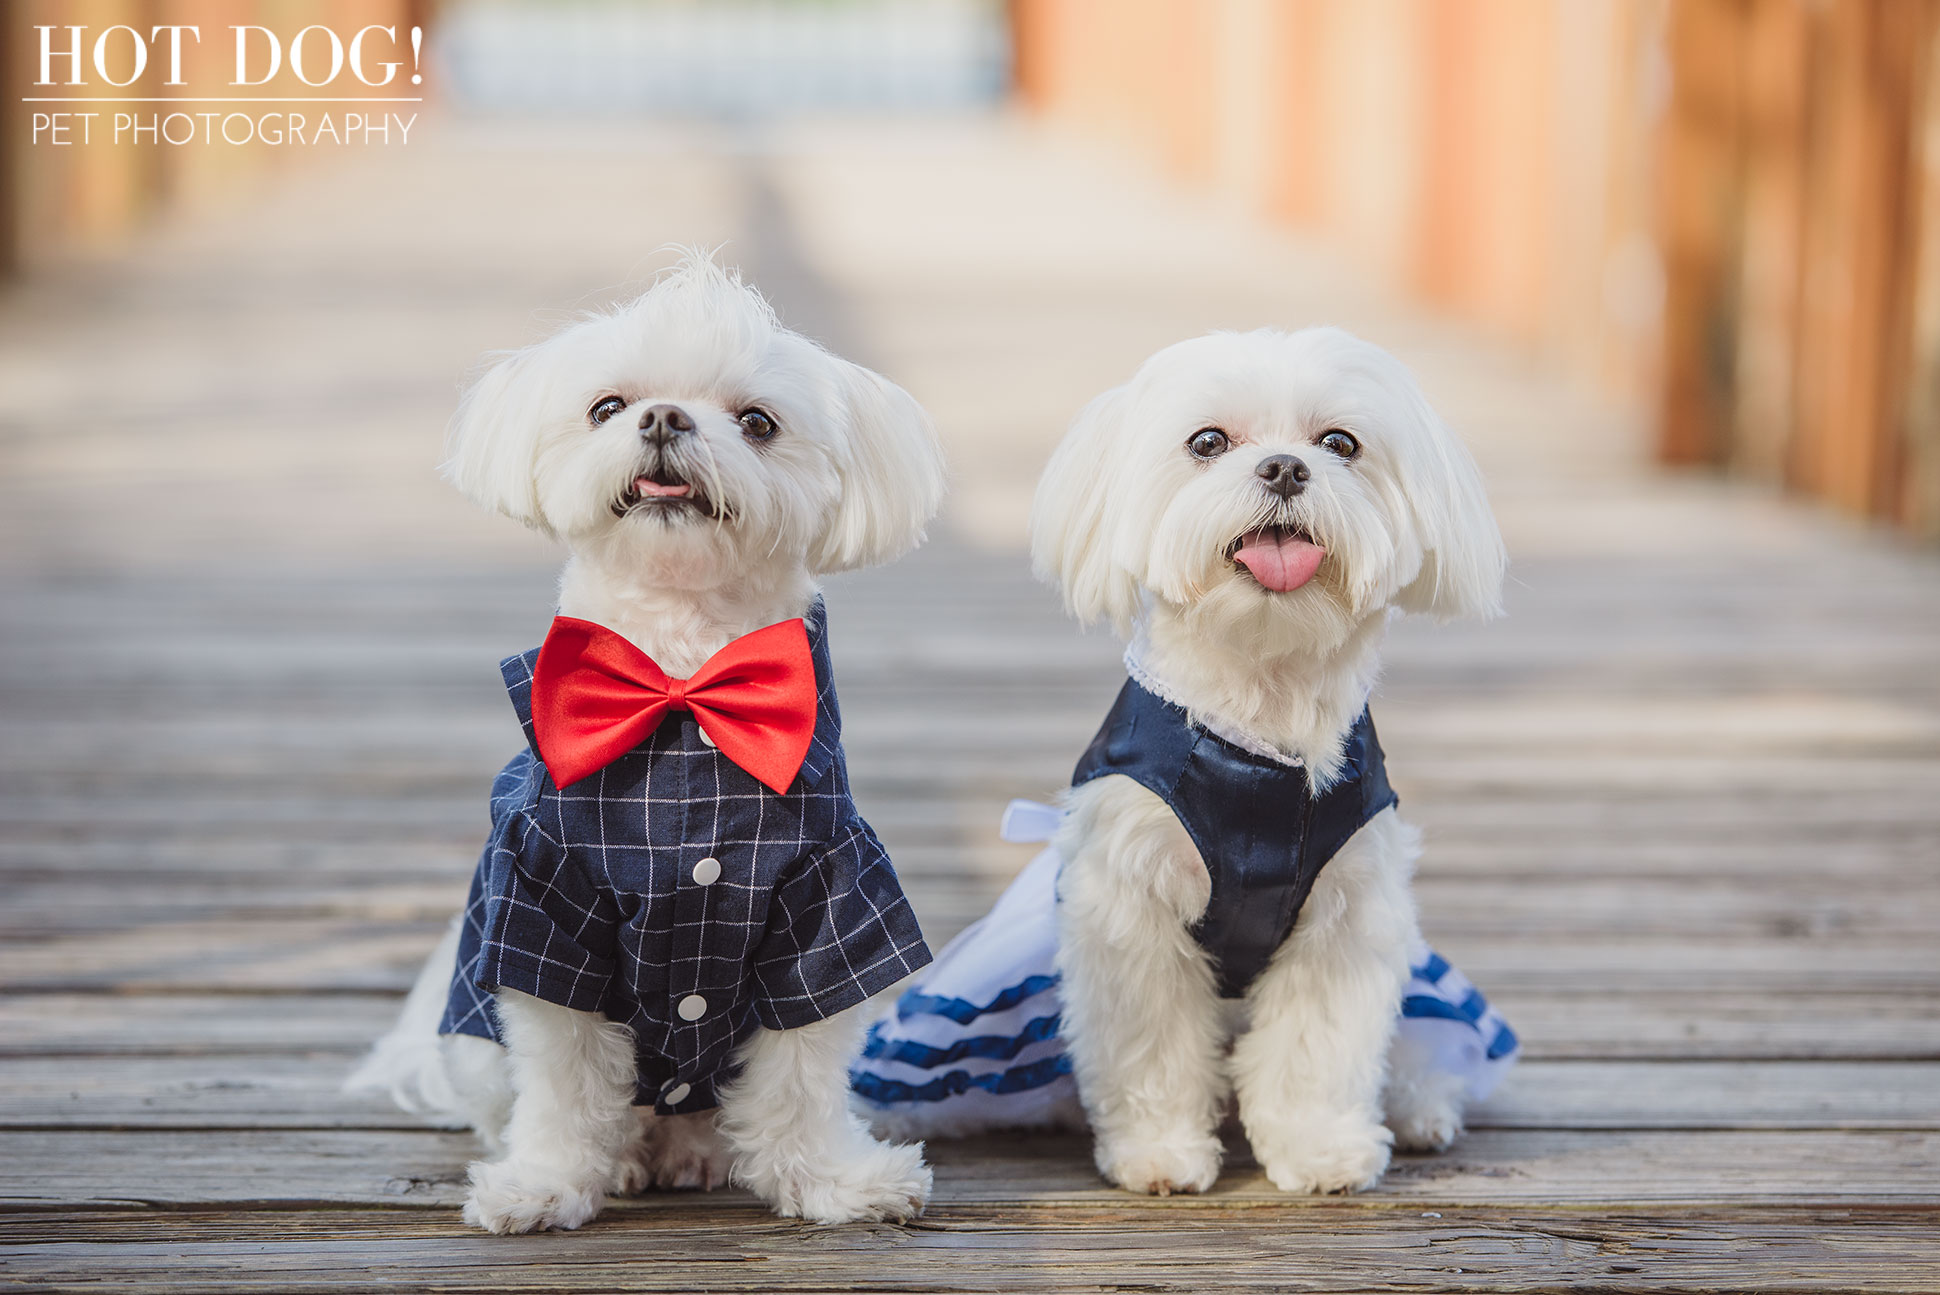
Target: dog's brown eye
column 756, row 425
column 1208, row 443
column 1341, row 443
column 604, row 408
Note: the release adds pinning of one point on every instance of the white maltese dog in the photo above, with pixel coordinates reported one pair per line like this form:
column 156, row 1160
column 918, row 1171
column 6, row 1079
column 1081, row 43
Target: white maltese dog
column 1236, row 916
column 1224, row 909
column 680, row 914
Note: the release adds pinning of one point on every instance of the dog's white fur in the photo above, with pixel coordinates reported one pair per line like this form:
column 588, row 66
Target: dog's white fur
column 851, row 480
column 1136, row 530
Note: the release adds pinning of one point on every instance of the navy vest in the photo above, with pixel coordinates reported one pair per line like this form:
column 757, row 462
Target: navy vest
column 677, row 895
column 1262, row 831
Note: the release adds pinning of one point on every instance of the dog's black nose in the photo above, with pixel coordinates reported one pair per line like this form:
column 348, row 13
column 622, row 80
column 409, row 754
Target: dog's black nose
column 662, row 423
column 1283, row 474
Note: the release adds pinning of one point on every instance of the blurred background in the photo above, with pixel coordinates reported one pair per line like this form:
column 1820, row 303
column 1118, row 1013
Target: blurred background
column 1721, row 216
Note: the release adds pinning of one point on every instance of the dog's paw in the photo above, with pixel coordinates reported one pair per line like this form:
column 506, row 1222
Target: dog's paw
column 1426, row 1115
column 507, row 1198
column 872, row 1181
column 1159, row 1167
column 1324, row 1153
column 1426, row 1128
column 673, row 1153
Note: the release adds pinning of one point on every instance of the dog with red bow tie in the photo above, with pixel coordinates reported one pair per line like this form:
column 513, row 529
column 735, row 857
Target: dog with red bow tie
column 679, row 910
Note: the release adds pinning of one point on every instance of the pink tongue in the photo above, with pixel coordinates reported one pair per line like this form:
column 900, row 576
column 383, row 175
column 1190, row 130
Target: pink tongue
column 1281, row 562
column 648, row 486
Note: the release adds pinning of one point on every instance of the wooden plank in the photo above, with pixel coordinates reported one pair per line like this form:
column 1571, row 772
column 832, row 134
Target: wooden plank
column 424, row 806
column 299, row 954
column 1485, row 814
column 130, row 856
column 337, row 954
column 1835, row 908
column 40, row 908
column 1499, row 811
column 1721, row 1025
column 956, row 842
column 940, row 835
column 1687, row 1024
column 1491, row 1166
column 367, row 953
column 210, row 1025
column 698, row 1244
column 247, row 1091
column 944, row 883
column 288, row 1091
column 417, row 798
column 1654, row 964
column 1454, row 853
column 1714, row 1095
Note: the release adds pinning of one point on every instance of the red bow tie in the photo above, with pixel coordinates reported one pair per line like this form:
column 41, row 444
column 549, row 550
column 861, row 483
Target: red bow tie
column 595, row 697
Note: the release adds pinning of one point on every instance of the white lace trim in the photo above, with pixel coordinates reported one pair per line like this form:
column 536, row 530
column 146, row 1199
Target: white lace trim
column 1245, row 741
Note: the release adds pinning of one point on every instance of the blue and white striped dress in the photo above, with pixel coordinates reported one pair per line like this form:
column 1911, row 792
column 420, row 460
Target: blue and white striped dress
column 974, row 1043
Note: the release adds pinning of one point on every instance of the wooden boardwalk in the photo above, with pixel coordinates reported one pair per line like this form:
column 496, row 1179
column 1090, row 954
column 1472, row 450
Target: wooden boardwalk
column 1682, row 805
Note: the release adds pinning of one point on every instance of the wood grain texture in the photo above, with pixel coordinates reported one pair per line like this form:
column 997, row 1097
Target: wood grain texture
column 382, row 953
column 1601, row 1024
column 295, row 1167
column 1320, row 1247
column 200, row 1090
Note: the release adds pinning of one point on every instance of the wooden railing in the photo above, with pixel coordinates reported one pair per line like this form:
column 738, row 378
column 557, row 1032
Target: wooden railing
column 1725, row 212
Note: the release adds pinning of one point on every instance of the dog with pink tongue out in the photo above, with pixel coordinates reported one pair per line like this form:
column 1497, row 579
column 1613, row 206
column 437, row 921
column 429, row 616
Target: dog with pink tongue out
column 1280, row 560
column 1235, row 914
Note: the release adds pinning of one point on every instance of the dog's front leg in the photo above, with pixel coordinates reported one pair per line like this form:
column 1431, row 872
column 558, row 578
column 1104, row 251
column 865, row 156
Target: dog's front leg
column 1309, row 1069
column 573, row 1073
column 796, row 1142
column 1141, row 1012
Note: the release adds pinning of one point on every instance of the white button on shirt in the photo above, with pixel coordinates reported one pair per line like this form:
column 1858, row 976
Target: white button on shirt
column 707, row 871
column 691, row 1008
column 705, row 739
column 676, row 1095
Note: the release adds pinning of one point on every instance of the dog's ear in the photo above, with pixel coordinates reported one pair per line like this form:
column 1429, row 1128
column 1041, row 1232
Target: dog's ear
column 1463, row 561
column 891, row 468
column 1073, row 540
column 493, row 444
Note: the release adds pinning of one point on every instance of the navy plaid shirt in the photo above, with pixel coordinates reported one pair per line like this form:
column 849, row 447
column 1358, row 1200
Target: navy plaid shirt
column 677, row 895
